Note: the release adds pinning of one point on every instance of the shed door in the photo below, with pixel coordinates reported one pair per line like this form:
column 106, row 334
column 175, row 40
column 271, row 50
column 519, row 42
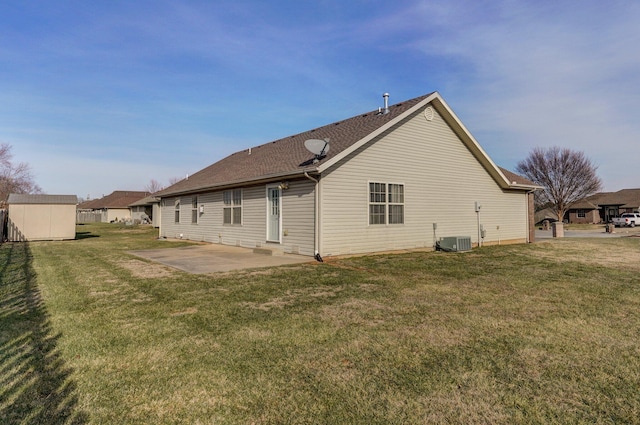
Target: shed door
column 273, row 214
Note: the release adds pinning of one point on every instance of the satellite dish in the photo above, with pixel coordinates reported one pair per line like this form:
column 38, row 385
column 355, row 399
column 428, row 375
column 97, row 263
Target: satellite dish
column 317, row 147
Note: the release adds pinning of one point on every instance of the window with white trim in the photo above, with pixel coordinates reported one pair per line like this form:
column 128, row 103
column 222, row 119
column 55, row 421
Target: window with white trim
column 386, row 203
column 581, row 214
column 232, row 210
column 396, row 203
column 177, row 211
column 194, row 210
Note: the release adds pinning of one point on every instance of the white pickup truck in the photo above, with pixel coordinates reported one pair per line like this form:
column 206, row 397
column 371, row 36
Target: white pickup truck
column 627, row 219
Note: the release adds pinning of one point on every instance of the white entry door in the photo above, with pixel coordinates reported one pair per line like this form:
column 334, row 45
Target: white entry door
column 273, row 214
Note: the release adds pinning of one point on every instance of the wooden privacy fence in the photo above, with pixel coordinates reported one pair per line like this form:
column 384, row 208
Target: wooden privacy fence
column 88, row 217
column 3, row 225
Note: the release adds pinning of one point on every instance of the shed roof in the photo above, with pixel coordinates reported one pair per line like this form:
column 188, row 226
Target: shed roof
column 288, row 156
column 26, row 199
column 146, row 201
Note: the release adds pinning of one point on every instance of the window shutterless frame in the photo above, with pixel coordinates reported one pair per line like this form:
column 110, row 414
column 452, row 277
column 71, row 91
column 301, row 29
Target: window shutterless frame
column 232, row 207
column 385, row 203
column 194, row 210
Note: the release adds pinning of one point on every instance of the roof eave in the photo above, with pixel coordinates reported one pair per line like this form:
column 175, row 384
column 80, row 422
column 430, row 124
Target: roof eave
column 526, row 187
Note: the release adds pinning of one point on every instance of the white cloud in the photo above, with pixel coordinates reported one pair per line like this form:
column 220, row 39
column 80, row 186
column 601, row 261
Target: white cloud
column 548, row 74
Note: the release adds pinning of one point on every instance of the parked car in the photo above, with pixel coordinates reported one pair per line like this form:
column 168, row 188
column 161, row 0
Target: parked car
column 627, row 219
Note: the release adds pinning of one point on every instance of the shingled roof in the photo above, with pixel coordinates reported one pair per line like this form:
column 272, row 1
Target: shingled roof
column 146, row 201
column 116, row 199
column 18, row 198
column 516, row 178
column 288, row 156
column 625, row 198
column 590, row 202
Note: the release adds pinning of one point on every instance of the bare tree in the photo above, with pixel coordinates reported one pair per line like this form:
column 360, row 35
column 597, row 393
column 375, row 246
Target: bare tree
column 14, row 178
column 174, row 180
column 153, row 186
column 567, row 176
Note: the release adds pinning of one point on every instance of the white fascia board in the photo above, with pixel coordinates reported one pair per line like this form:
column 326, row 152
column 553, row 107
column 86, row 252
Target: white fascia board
column 472, row 144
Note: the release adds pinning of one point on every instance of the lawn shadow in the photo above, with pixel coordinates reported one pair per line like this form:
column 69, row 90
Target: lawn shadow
column 35, row 384
column 85, row 235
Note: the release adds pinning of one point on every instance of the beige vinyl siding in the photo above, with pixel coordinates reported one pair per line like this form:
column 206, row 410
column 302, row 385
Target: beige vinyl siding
column 442, row 181
column 117, row 214
column 210, row 227
column 298, row 203
column 170, row 229
column 137, row 212
column 35, row 222
column 297, row 219
column 156, row 214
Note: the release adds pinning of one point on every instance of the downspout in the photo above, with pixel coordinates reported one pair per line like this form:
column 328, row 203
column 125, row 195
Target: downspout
column 316, row 216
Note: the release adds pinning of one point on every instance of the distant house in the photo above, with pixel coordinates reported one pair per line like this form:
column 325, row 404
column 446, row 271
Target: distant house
column 113, row 207
column 41, row 217
column 616, row 203
column 585, row 211
column 546, row 215
column 602, row 207
column 397, row 178
column 146, row 210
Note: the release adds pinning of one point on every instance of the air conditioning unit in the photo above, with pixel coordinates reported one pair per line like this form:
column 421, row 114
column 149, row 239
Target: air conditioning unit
column 455, row 243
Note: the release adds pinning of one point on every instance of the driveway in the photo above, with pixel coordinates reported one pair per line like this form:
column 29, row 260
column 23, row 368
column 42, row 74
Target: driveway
column 619, row 232
column 213, row 258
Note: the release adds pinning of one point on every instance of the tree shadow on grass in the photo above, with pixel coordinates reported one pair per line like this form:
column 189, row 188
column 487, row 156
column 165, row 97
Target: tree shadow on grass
column 35, row 384
column 85, row 235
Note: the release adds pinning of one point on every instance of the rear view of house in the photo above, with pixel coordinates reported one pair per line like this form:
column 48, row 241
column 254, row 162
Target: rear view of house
column 41, row 217
column 397, row 178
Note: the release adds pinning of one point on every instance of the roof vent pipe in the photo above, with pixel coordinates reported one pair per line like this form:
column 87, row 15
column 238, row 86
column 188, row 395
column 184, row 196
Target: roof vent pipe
column 386, row 103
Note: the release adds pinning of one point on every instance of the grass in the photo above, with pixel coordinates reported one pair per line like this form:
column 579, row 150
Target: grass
column 542, row 333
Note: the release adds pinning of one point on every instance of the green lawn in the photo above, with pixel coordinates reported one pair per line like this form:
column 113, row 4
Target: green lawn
column 542, row 333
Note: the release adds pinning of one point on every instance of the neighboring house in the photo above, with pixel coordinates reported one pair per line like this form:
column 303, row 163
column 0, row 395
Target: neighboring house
column 585, row 211
column 146, row 210
column 602, row 207
column 41, row 217
column 616, row 203
column 113, row 207
column 394, row 179
column 545, row 217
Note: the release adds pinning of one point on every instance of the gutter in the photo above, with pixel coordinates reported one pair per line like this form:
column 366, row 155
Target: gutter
column 235, row 183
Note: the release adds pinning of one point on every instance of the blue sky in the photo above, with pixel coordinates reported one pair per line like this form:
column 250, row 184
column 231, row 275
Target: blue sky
column 106, row 95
